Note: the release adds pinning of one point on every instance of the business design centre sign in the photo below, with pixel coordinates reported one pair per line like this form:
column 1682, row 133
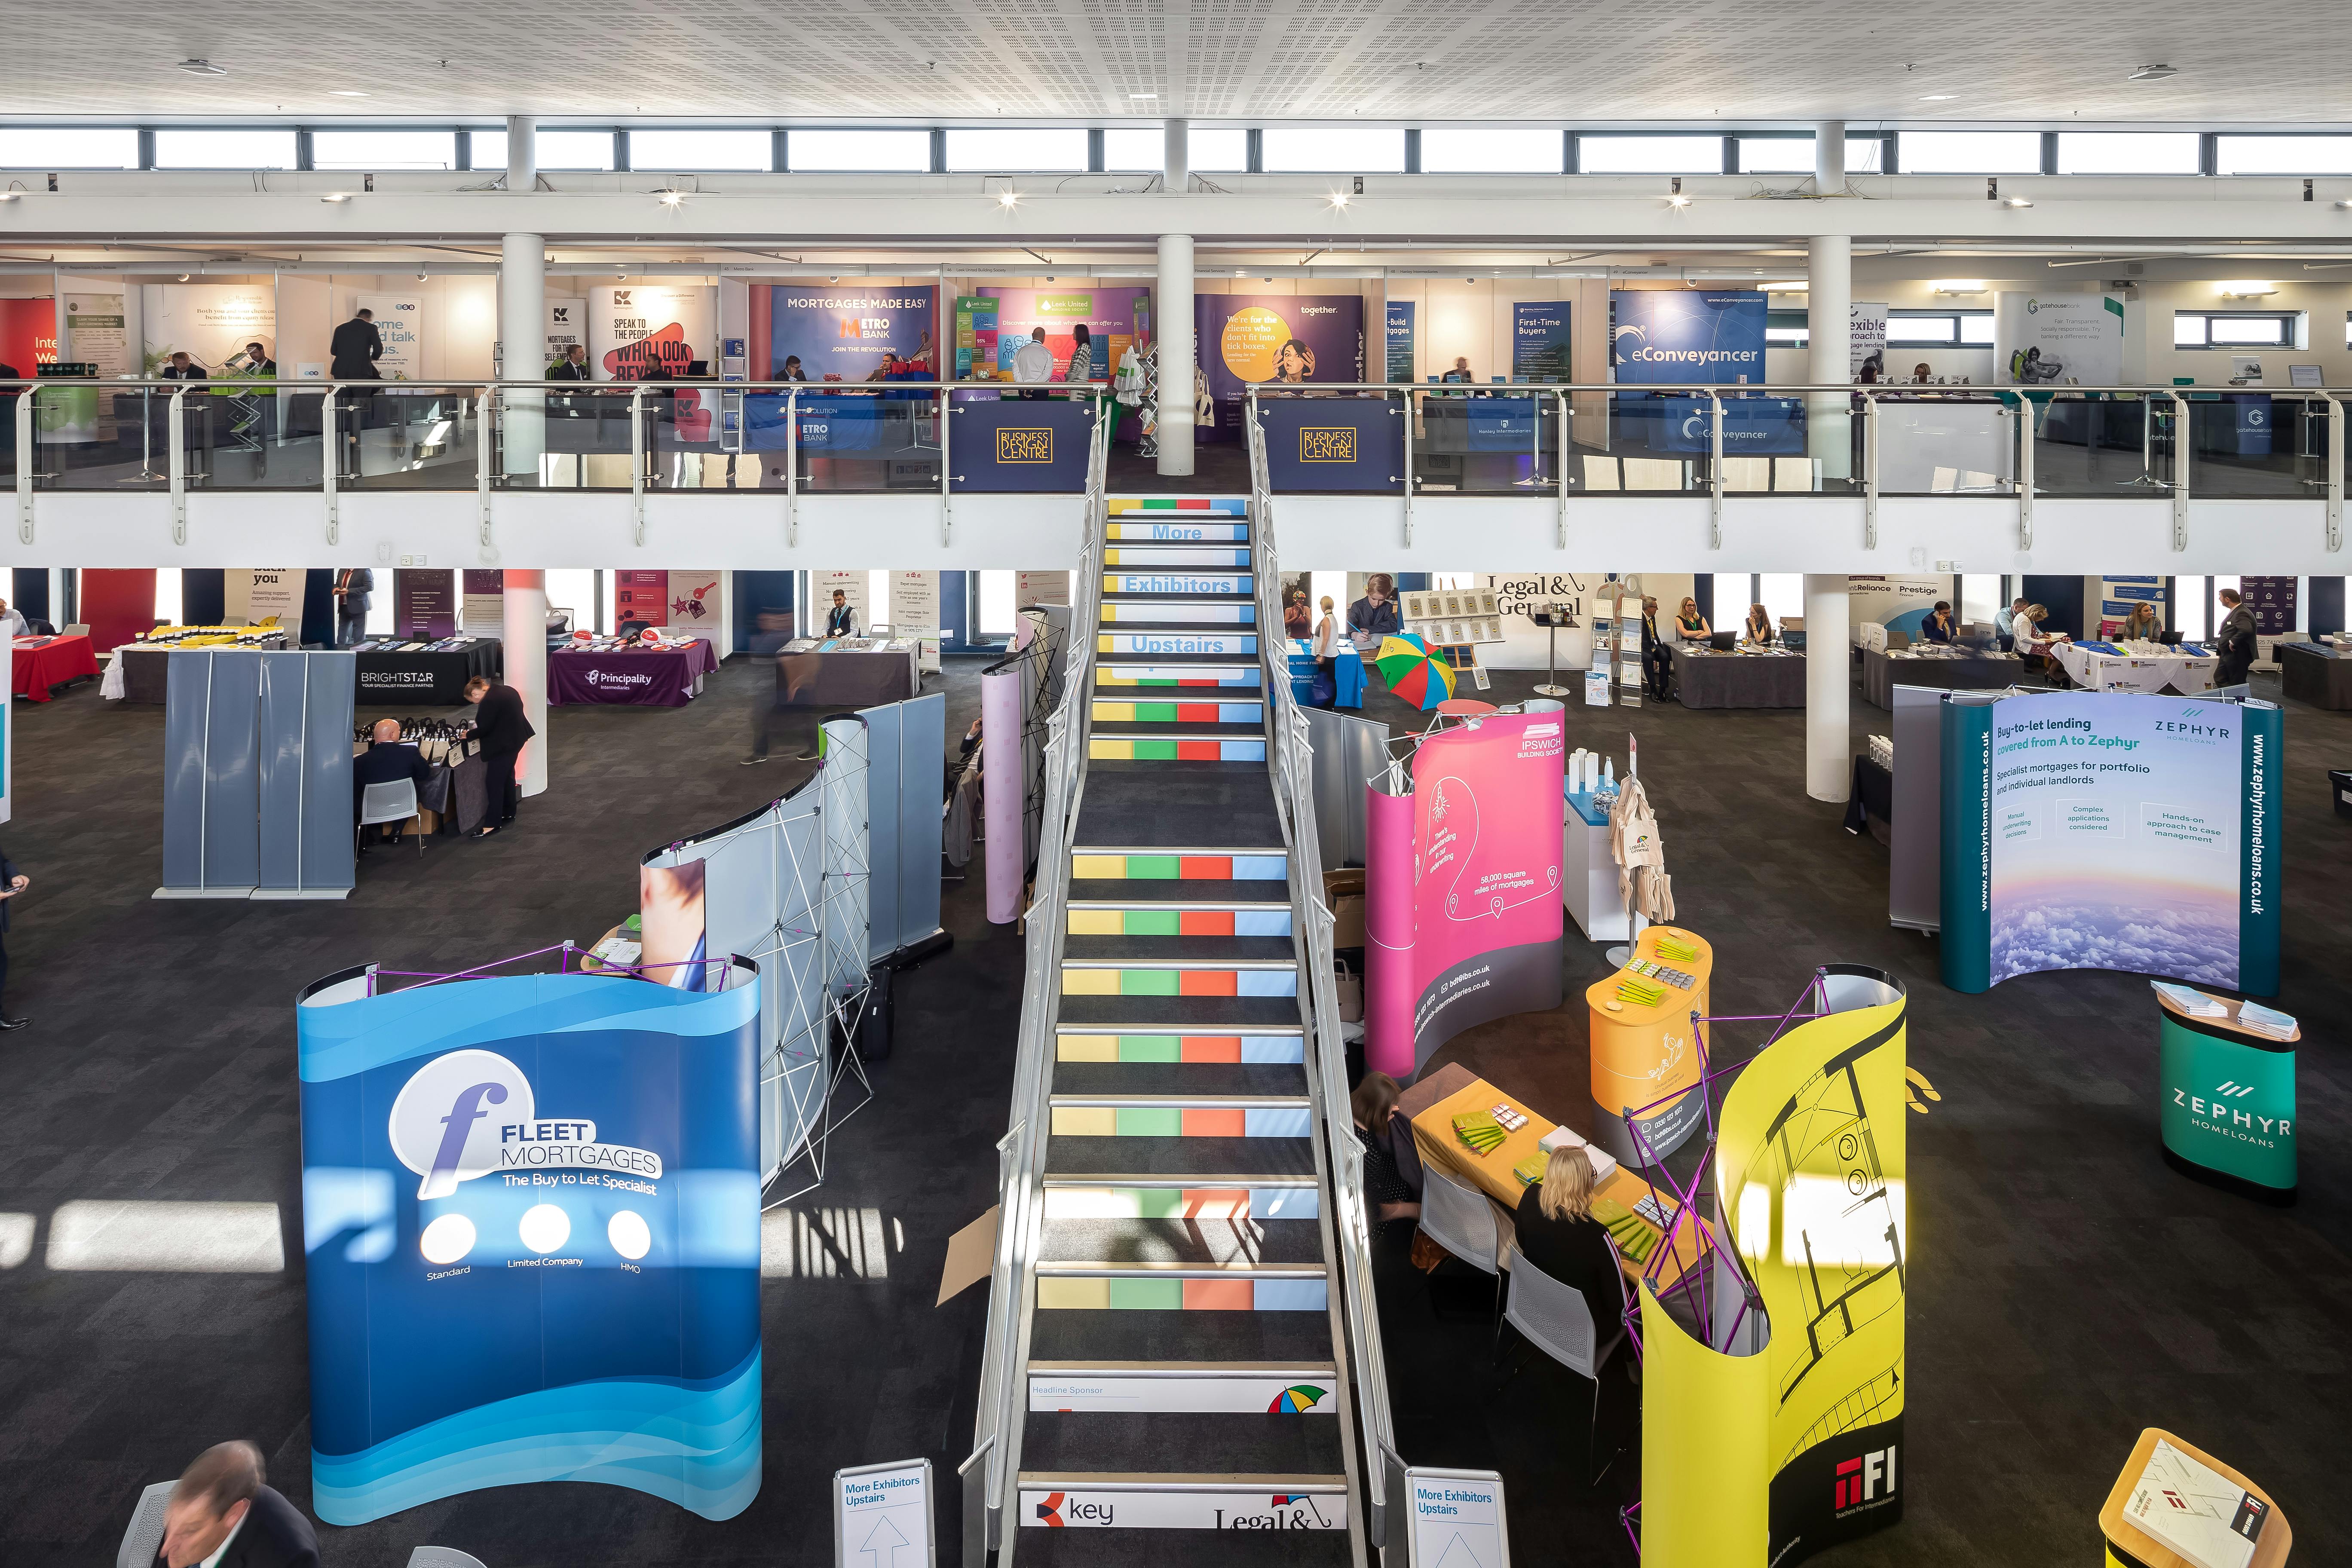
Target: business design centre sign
column 531, row 1207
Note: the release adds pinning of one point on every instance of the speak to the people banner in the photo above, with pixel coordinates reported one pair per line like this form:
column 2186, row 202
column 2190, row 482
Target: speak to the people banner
column 1282, row 340
column 1463, row 904
column 531, row 1207
column 2111, row 830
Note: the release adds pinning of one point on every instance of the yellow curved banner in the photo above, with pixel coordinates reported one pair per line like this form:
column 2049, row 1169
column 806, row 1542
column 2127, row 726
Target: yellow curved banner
column 1706, row 1494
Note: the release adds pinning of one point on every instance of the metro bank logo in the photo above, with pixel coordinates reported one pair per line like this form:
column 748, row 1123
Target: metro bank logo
column 1026, row 446
column 1327, row 445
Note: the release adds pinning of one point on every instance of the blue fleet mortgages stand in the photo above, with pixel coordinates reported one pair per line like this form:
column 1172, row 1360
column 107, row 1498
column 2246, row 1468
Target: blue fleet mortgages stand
column 531, row 1207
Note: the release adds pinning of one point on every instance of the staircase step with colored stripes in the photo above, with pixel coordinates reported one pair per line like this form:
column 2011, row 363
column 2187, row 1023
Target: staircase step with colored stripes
column 1196, row 952
column 1175, row 806
column 1119, row 586
column 1115, row 864
column 1179, row 977
column 1201, row 1241
column 1160, row 745
column 1210, row 1162
column 1093, row 1286
column 1126, row 678
column 1269, row 1047
column 1204, row 893
column 1185, row 506
column 1175, row 710
column 1081, row 1077
column 1181, row 1116
column 1162, row 557
column 1179, row 1015
column 1146, row 1334
column 1127, row 1195
column 1170, row 530
column 1161, row 642
column 1134, row 917
column 1162, row 612
column 1146, row 1387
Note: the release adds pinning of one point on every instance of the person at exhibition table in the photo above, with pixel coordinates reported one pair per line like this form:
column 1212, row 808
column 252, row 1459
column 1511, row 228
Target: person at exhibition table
column 1325, row 692
column 15, row 882
column 1657, row 658
column 1297, row 620
column 1556, row 1231
column 2235, row 639
column 257, row 362
column 1692, row 624
column 1758, row 628
column 12, row 623
column 841, row 621
column 1938, row 627
column 355, row 348
column 221, row 1515
column 2141, row 625
column 354, row 592
column 181, row 368
column 503, row 728
column 385, row 760
column 1375, row 616
column 1373, row 1105
column 572, row 366
column 2004, row 625
column 1082, row 354
column 792, row 371
column 1033, row 363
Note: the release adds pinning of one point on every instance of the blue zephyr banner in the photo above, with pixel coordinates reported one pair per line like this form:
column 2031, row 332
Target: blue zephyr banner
column 531, row 1207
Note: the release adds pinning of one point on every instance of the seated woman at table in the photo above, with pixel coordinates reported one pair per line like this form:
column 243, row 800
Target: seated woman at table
column 1374, row 1103
column 2035, row 644
column 1557, row 1233
column 1692, row 624
column 1297, row 620
column 1758, row 629
column 1938, row 626
column 2141, row 626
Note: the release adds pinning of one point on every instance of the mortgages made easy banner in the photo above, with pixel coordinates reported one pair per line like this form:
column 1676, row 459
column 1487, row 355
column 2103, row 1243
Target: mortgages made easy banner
column 1462, row 885
column 2111, row 830
column 838, row 333
column 531, row 1207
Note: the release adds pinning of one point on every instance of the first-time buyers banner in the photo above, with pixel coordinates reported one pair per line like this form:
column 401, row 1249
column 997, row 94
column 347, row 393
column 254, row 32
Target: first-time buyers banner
column 2111, row 830
column 1462, row 906
column 531, row 1207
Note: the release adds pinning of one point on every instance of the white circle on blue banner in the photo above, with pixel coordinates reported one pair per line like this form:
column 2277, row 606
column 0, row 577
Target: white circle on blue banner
column 444, row 1121
column 545, row 1227
column 446, row 1239
column 630, row 1236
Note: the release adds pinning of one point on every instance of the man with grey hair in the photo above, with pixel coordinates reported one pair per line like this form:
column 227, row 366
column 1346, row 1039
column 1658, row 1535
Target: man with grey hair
column 221, row 1515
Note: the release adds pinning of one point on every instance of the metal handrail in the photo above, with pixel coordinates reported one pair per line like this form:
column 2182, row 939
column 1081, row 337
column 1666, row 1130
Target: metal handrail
column 1292, row 764
column 997, row 1430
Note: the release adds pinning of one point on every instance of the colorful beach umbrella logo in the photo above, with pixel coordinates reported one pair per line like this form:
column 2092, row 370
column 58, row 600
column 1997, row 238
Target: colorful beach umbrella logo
column 1296, row 1399
column 1414, row 675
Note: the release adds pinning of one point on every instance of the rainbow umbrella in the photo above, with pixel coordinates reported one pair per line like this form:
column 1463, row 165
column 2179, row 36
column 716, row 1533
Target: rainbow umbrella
column 1298, row 1397
column 1414, row 675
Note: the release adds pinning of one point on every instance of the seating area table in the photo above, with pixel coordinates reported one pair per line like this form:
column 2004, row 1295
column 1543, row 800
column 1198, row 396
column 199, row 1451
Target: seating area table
column 1430, row 1106
column 2102, row 667
column 1347, row 673
column 2315, row 673
column 1705, row 678
column 40, row 663
column 1882, row 672
column 433, row 679
column 644, row 677
column 829, row 674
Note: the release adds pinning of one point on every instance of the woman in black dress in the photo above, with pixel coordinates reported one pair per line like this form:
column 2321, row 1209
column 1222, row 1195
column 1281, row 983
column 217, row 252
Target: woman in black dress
column 1557, row 1233
column 1386, row 1193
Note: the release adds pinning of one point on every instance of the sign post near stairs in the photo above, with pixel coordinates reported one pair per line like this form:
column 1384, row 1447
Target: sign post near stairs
column 882, row 1516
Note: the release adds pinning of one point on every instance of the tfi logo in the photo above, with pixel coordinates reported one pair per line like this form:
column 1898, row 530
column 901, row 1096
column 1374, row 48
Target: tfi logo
column 441, row 1122
column 1859, row 1479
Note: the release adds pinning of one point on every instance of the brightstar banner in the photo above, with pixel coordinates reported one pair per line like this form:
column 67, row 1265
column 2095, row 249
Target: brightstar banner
column 1686, row 336
column 2111, row 830
column 1462, row 887
column 842, row 334
column 1540, row 341
column 531, row 1207
column 1246, row 340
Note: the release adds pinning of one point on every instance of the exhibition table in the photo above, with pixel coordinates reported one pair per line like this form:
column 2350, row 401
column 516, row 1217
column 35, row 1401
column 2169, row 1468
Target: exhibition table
column 2216, row 1496
column 1882, row 672
column 139, row 673
column 848, row 673
column 434, row 679
column 1706, row 679
column 1873, row 797
column 2103, row 667
column 1644, row 1046
column 2227, row 1099
column 1588, row 871
column 1454, row 1090
column 1347, row 674
column 2312, row 672
column 40, row 663
column 646, row 677
column 455, row 798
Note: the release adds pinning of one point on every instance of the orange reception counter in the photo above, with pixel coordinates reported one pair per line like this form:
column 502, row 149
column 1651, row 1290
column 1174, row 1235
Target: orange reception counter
column 1646, row 1056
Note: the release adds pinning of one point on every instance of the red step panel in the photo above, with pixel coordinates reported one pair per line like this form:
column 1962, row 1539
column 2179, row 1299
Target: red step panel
column 1215, row 1122
column 1197, row 751
column 1209, row 1047
column 1208, row 983
column 1208, row 868
column 1204, row 922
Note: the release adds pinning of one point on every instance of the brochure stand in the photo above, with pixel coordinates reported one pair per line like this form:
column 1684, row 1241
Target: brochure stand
column 2227, row 1100
column 2251, row 1508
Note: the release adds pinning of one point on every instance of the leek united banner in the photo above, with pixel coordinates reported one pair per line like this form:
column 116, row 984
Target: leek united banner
column 2111, row 830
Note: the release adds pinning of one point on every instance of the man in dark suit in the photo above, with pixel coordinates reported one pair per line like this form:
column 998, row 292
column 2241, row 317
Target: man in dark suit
column 181, row 368
column 17, row 883
column 354, row 592
column 654, row 369
column 504, row 728
column 221, row 1513
column 572, row 366
column 355, row 348
column 384, row 761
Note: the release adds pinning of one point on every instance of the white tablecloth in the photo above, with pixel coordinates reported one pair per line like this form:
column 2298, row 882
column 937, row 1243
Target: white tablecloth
column 2132, row 672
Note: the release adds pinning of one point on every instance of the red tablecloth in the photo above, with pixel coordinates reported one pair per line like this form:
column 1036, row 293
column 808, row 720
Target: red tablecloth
column 660, row 680
column 40, row 663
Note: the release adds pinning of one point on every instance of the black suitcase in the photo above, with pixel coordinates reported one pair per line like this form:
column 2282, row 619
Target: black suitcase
column 874, row 1028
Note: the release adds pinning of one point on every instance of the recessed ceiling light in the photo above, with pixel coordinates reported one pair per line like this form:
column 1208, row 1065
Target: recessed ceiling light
column 345, row 92
column 1339, row 198
column 1009, row 199
column 1938, row 96
column 18, row 195
column 673, row 198
column 2153, row 73
column 2016, row 202
column 336, row 196
column 196, row 67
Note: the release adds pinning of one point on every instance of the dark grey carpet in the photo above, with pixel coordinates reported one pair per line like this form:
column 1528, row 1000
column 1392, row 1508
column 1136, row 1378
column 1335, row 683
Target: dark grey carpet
column 2067, row 1289
column 161, row 1067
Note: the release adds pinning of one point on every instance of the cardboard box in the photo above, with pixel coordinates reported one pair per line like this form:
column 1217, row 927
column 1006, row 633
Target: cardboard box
column 1343, row 891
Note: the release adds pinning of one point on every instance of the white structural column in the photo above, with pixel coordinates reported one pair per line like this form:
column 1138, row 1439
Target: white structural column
column 526, row 666
column 1829, row 747
column 522, row 154
column 1829, row 310
column 1176, row 146
column 1173, row 307
column 522, row 338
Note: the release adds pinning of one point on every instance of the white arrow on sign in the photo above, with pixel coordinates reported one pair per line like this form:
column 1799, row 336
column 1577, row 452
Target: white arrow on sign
column 880, row 1553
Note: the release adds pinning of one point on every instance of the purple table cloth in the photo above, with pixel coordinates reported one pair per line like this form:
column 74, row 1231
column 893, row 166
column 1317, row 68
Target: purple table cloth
column 664, row 678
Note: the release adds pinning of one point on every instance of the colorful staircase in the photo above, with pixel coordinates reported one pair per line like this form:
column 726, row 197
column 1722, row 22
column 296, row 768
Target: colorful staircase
column 1187, row 1396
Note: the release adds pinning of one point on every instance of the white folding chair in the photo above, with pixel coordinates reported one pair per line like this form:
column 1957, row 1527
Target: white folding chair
column 442, row 1557
column 392, row 802
column 1557, row 1321
column 1461, row 1220
column 143, row 1536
